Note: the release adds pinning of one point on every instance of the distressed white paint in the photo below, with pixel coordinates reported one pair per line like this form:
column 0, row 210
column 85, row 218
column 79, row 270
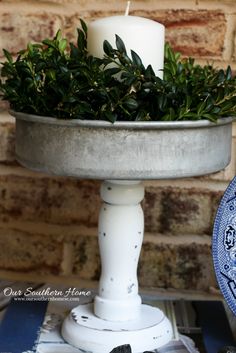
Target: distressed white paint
column 121, row 225
column 91, row 334
column 117, row 316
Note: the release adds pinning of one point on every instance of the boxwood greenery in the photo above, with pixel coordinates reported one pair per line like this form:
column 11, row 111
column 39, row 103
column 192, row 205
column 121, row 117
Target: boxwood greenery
column 62, row 80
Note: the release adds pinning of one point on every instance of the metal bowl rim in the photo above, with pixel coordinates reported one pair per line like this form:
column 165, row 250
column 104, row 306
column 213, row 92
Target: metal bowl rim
column 133, row 125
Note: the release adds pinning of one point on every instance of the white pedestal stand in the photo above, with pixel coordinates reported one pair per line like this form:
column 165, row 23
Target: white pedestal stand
column 125, row 151
column 118, row 317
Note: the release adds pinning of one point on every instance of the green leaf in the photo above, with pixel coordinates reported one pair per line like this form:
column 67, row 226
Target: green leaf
column 124, row 59
column 200, row 108
column 221, row 76
column 70, row 99
column 107, row 48
column 162, row 102
column 74, row 52
column 209, row 104
column 49, row 43
column 211, row 117
column 120, row 45
column 51, row 74
column 58, row 35
column 169, row 53
column 84, row 26
column 215, row 110
column 8, row 56
column 141, row 116
column 30, row 48
column 172, row 114
column 149, row 73
column 188, row 102
column 112, row 71
column 228, row 73
column 108, row 115
column 81, row 43
column 29, row 83
column 128, row 80
column 136, row 59
column 179, row 68
column 62, row 45
column 169, row 116
column 227, row 106
column 131, row 104
column 40, row 66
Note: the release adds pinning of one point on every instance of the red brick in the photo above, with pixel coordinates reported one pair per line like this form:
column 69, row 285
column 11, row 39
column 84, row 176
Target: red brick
column 86, row 262
column 51, row 200
column 181, row 266
column 59, row 200
column 7, row 142
column 30, row 252
column 216, row 198
column 17, row 29
column 178, row 210
column 198, row 33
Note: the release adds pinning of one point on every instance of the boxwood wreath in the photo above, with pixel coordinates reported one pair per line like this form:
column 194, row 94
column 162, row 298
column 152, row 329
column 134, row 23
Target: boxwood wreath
column 62, row 80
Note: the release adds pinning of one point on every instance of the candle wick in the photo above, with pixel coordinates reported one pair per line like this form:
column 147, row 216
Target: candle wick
column 127, row 8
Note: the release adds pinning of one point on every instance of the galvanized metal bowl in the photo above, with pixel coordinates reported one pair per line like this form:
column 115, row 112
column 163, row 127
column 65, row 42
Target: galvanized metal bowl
column 124, row 150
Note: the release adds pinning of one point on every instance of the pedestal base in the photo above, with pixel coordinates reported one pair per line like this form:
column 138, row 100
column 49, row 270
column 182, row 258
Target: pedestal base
column 87, row 332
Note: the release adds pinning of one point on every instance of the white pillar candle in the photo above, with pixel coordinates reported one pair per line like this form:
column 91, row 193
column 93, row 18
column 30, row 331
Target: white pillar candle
column 144, row 36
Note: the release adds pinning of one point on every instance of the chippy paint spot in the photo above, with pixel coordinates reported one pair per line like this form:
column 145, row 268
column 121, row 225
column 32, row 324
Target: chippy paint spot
column 130, row 288
column 74, row 317
column 156, row 337
column 51, row 321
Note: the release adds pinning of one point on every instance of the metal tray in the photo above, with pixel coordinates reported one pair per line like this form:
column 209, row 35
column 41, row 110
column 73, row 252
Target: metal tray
column 123, row 150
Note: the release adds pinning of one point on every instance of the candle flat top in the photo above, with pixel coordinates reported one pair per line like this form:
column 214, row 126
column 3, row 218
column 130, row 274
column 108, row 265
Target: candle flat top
column 126, row 20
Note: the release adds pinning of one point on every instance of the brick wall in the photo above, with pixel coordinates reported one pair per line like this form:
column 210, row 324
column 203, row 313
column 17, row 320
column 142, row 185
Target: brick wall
column 48, row 224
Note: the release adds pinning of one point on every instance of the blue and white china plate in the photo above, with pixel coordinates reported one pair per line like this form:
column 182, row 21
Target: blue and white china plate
column 224, row 245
